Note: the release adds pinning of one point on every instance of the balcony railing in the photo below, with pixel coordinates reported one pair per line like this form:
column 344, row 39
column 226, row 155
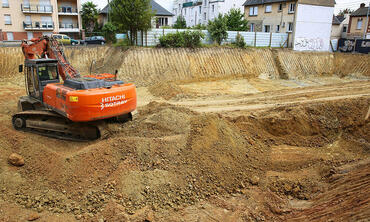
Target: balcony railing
column 37, row 8
column 38, row 25
column 68, row 26
column 67, row 10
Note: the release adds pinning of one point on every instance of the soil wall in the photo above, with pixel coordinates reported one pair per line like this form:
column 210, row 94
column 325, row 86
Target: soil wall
column 145, row 66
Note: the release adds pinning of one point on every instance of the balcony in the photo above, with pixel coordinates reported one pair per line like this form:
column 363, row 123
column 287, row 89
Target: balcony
column 67, row 11
column 192, row 3
column 38, row 26
column 41, row 9
column 69, row 28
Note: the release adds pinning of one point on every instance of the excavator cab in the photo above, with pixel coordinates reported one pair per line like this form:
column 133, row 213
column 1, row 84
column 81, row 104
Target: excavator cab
column 38, row 73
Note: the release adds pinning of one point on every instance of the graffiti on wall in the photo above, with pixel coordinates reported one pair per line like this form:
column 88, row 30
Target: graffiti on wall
column 346, row 45
column 312, row 44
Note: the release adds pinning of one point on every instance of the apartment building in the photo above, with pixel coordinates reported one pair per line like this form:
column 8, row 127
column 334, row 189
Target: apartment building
column 359, row 23
column 201, row 11
column 27, row 19
column 270, row 15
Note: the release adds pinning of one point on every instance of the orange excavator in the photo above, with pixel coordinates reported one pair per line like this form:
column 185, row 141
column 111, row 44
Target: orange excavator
column 77, row 108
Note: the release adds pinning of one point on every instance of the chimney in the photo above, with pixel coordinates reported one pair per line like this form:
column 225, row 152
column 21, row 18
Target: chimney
column 362, row 5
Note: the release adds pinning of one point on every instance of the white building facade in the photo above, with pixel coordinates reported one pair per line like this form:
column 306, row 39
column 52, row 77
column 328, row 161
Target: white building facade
column 201, row 11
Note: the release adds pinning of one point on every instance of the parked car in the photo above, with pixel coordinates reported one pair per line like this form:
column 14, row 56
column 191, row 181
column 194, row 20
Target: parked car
column 95, row 40
column 65, row 39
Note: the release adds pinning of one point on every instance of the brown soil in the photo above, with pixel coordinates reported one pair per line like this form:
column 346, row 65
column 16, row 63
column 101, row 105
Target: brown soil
column 220, row 150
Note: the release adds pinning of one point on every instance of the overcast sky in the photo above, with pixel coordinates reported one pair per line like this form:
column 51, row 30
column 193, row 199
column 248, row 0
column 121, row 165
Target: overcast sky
column 341, row 4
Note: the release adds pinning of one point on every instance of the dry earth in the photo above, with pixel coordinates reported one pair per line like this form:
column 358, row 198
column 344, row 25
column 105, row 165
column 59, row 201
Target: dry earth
column 232, row 149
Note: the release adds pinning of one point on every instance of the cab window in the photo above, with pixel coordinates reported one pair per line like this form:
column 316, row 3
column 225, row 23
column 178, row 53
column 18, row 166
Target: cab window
column 47, row 73
column 65, row 37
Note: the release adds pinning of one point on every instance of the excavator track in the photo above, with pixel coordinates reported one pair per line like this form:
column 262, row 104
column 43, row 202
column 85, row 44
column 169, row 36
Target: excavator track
column 50, row 124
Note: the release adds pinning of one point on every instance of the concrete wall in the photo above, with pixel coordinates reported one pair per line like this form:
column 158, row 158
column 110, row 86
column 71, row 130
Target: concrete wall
column 147, row 66
column 313, row 28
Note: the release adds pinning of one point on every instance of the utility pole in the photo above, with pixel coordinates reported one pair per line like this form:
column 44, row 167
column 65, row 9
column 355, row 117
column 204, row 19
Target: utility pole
column 367, row 21
column 108, row 11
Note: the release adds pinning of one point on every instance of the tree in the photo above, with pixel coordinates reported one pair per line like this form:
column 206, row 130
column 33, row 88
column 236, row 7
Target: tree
column 345, row 11
column 180, row 23
column 109, row 31
column 89, row 15
column 218, row 29
column 236, row 20
column 131, row 16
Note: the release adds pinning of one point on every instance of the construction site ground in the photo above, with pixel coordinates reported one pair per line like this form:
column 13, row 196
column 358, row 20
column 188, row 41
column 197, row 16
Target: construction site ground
column 229, row 149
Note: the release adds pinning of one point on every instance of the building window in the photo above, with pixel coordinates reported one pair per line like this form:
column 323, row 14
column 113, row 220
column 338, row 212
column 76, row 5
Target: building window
column 213, row 8
column 8, row 20
column 205, row 16
column 291, row 8
column 253, row 11
column 268, row 8
column 5, row 4
column 252, row 27
column 162, row 21
column 9, row 36
column 290, row 27
column 185, row 12
column 359, row 23
column 200, row 10
column 267, row 28
column 278, row 28
column 344, row 29
column 280, row 7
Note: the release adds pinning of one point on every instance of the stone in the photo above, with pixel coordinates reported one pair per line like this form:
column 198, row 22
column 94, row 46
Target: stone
column 16, row 160
column 33, row 217
column 254, row 180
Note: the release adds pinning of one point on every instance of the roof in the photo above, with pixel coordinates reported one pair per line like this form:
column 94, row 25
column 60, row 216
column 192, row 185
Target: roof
column 341, row 18
column 336, row 20
column 260, row 2
column 157, row 8
column 360, row 12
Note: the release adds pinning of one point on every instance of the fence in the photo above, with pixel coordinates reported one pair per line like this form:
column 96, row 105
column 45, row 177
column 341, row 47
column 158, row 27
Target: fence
column 354, row 45
column 257, row 39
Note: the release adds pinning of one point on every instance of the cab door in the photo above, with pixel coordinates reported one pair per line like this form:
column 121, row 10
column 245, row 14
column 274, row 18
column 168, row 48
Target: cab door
column 33, row 86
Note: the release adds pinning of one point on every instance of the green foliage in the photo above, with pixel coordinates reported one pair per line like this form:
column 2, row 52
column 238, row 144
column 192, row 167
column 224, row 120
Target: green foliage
column 109, row 31
column 132, row 16
column 239, row 42
column 200, row 27
column 182, row 39
column 89, row 15
column 180, row 23
column 236, row 20
column 193, row 39
column 172, row 40
column 218, row 29
column 345, row 11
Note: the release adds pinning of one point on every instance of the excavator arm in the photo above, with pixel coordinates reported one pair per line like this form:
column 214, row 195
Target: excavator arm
column 47, row 47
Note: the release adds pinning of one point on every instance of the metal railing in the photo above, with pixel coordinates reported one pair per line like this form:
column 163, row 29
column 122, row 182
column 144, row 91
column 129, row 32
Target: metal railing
column 37, row 8
column 67, row 10
column 68, row 26
column 38, row 25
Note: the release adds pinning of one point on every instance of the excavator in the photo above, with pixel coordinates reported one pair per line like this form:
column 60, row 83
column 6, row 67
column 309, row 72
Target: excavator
column 61, row 103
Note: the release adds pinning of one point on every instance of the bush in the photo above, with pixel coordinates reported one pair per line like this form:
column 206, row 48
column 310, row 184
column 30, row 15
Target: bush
column 109, row 32
column 182, row 39
column 172, row 40
column 240, row 41
column 218, row 29
column 180, row 23
column 193, row 39
column 200, row 27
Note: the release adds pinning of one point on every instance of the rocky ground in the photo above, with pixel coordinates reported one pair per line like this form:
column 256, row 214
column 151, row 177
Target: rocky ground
column 223, row 150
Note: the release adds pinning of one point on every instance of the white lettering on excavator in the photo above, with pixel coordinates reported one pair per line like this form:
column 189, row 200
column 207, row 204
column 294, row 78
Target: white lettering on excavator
column 113, row 101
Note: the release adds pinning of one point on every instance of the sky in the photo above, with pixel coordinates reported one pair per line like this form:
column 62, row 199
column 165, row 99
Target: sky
column 341, row 4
